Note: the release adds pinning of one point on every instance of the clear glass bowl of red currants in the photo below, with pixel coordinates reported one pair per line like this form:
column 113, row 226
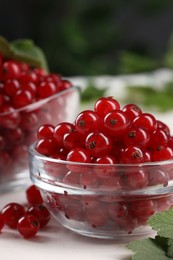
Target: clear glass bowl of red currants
column 106, row 173
column 29, row 97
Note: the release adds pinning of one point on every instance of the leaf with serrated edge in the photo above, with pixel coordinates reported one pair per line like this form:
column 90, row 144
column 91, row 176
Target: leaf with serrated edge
column 151, row 249
column 162, row 222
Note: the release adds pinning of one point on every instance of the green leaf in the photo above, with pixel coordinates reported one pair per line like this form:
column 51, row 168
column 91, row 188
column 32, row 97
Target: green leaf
column 162, row 222
column 5, row 47
column 170, row 248
column 151, row 249
column 25, row 50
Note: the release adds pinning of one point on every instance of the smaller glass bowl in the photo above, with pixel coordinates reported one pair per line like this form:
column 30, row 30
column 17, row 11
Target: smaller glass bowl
column 103, row 201
column 18, row 131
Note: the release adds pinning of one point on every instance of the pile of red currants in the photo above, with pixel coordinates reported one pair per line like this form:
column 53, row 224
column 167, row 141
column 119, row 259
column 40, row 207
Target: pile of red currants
column 25, row 105
column 119, row 162
column 108, row 135
column 26, row 220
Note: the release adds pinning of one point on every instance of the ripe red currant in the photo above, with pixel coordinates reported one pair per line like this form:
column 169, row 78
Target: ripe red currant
column 12, row 212
column 28, row 226
column 105, row 105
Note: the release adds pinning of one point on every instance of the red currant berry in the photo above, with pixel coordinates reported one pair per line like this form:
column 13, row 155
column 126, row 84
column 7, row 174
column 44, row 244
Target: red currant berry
column 158, row 138
column 138, row 178
column 105, row 105
column 79, row 155
column 136, row 136
column 12, row 212
column 9, row 118
column 132, row 111
column 41, row 212
column 60, row 130
column 65, row 84
column 87, row 121
column 162, row 153
column 147, row 121
column 45, row 131
column 33, row 195
column 132, row 154
column 163, row 126
column 99, row 144
column 28, row 226
column 46, row 146
column 22, row 98
column 10, row 70
column 73, row 139
column 116, row 123
column 46, row 89
column 142, row 208
column 11, row 86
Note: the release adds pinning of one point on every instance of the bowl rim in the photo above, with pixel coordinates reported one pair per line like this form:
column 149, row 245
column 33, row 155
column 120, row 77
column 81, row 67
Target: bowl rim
column 40, row 103
column 32, row 151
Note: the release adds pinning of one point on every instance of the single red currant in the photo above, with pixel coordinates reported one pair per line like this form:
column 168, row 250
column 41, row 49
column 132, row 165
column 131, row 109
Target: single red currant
column 132, row 111
column 12, row 212
column 99, row 144
column 132, row 154
column 147, row 121
column 33, row 195
column 28, row 226
column 45, row 131
column 87, row 121
column 116, row 123
column 105, row 105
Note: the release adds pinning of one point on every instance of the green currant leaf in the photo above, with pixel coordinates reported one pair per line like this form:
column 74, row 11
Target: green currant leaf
column 5, row 47
column 170, row 248
column 150, row 248
column 25, row 50
column 162, row 222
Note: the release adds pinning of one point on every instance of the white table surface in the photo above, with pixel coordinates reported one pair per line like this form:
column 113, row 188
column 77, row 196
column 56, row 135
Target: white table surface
column 55, row 242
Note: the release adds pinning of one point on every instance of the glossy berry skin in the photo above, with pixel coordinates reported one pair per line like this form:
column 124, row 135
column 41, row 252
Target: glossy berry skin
column 60, row 130
column 10, row 70
column 11, row 86
column 87, row 121
column 41, row 212
column 78, row 155
column 136, row 136
column 12, row 212
column 33, row 195
column 162, row 153
column 116, row 123
column 147, row 121
column 105, row 105
column 22, row 98
column 73, row 140
column 132, row 110
column 45, row 131
column 2, row 222
column 46, row 146
column 132, row 154
column 28, row 226
column 98, row 144
column 46, row 89
column 158, row 138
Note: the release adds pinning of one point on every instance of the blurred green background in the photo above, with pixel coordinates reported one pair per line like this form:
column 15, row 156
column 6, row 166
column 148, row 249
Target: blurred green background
column 94, row 37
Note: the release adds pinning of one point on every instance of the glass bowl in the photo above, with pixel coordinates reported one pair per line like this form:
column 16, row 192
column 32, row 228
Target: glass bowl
column 103, row 201
column 18, row 131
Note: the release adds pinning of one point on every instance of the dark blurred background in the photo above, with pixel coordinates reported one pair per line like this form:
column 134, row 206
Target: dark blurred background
column 94, row 37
